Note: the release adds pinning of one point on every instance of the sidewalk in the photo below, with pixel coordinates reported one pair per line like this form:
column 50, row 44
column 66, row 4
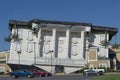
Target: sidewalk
column 112, row 73
column 3, row 75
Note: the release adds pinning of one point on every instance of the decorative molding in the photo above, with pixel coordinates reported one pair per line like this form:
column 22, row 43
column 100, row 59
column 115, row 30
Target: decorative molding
column 74, row 41
column 47, row 38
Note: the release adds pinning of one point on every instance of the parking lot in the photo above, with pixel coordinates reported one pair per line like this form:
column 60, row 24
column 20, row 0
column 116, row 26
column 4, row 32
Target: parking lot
column 55, row 77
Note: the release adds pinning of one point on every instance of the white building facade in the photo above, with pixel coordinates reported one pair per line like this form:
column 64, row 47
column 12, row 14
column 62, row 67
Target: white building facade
column 56, row 46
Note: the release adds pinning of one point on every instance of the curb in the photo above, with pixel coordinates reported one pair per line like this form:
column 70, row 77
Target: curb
column 62, row 74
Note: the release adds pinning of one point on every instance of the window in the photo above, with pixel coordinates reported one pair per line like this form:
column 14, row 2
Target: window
column 102, row 65
column 20, row 34
column 74, row 50
column 30, row 37
column 102, row 37
column 102, row 52
column 60, row 49
column 61, row 40
column 18, row 46
column 14, row 31
column 29, row 47
column 46, row 48
column 74, row 40
column 47, row 38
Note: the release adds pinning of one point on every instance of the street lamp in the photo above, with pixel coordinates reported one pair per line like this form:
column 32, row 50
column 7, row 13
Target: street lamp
column 34, row 53
column 34, row 43
column 50, row 51
column 19, row 52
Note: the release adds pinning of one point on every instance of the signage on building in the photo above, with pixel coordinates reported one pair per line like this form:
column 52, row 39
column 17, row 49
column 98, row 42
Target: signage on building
column 65, row 62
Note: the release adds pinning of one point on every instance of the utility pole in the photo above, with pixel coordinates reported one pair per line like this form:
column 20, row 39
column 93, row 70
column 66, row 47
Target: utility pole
column 19, row 52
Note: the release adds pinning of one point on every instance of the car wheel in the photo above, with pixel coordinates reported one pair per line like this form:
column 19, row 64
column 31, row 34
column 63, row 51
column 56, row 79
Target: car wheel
column 29, row 76
column 97, row 74
column 86, row 74
column 13, row 76
column 40, row 75
column 46, row 75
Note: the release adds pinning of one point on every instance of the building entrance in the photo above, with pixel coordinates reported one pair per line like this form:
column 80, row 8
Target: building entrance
column 59, row 69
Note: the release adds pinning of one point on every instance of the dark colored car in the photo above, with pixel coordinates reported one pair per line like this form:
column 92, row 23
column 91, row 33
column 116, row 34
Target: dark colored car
column 21, row 73
column 92, row 73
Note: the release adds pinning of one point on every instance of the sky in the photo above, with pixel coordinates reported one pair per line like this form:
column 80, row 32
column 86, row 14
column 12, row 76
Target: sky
column 97, row 12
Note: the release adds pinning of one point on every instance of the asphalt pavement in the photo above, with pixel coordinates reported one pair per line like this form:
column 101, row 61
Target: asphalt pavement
column 55, row 77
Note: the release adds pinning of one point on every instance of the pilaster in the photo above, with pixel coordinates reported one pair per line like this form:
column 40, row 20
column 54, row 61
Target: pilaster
column 82, row 44
column 68, row 54
column 54, row 43
column 39, row 41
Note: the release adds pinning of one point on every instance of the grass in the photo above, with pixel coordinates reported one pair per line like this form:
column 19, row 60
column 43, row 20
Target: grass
column 107, row 77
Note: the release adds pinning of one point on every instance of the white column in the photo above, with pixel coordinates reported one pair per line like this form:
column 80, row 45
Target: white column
column 40, row 39
column 38, row 43
column 54, row 43
column 68, row 54
column 82, row 44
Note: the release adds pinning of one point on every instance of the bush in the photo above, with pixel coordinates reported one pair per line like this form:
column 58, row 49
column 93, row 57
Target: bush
column 116, row 70
column 101, row 68
column 108, row 69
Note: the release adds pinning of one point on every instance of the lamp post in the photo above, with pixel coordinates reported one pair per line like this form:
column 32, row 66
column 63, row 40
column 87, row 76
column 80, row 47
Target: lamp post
column 34, row 58
column 51, row 51
column 19, row 52
column 34, row 53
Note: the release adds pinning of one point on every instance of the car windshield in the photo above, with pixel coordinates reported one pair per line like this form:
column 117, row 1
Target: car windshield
column 91, row 71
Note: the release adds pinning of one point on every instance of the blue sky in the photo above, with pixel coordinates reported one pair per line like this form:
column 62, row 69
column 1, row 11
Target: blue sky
column 97, row 12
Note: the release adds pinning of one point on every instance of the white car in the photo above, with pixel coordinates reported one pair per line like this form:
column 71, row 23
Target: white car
column 96, row 69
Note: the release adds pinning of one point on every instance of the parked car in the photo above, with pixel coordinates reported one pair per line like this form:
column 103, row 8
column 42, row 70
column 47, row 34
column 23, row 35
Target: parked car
column 96, row 69
column 40, row 73
column 21, row 73
column 92, row 73
column 36, row 72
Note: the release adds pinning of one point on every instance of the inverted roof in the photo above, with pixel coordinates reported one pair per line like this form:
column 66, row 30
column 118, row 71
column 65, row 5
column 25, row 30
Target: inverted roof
column 38, row 21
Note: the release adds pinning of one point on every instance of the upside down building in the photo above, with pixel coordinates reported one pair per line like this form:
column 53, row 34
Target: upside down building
column 57, row 46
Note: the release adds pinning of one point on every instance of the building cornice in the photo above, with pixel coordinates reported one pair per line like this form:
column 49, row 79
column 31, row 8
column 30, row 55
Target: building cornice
column 28, row 24
column 103, row 28
column 37, row 21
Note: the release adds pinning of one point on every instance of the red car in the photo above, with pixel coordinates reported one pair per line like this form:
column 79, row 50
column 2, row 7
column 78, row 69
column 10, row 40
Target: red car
column 40, row 73
column 36, row 73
